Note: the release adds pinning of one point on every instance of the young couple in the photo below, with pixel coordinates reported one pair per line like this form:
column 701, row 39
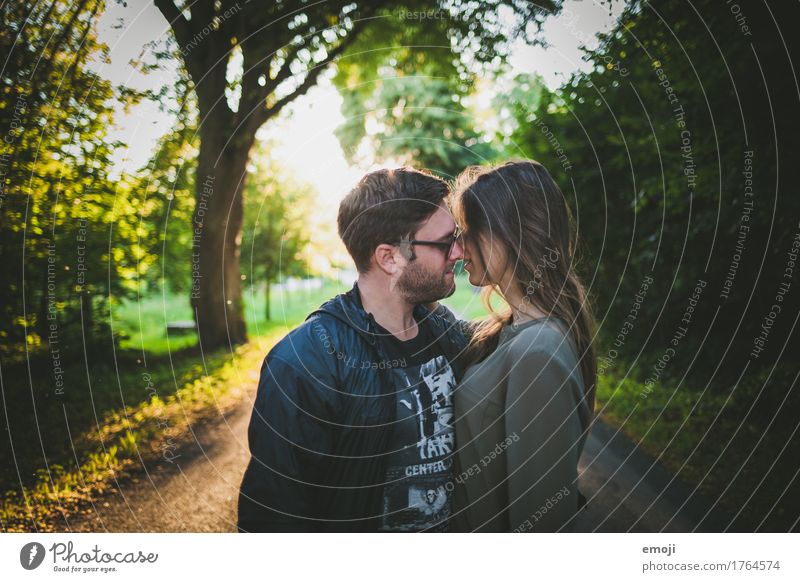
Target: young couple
column 383, row 413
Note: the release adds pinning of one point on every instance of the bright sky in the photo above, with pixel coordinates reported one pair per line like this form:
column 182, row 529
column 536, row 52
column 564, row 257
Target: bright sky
column 305, row 138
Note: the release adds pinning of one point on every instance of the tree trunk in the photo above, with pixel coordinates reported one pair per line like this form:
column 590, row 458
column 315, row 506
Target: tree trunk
column 217, row 225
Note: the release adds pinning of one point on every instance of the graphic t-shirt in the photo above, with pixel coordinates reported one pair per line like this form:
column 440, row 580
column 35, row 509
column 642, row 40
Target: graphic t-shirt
column 416, row 496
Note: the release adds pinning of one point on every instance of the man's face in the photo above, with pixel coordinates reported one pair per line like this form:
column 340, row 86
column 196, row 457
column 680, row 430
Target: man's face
column 428, row 275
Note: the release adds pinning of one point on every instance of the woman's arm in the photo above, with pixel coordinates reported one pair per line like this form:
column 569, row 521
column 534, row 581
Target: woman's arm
column 443, row 311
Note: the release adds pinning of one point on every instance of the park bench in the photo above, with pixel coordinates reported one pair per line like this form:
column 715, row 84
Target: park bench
column 181, row 327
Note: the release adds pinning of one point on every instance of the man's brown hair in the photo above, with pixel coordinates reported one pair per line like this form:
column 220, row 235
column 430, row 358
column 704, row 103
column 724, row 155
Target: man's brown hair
column 386, row 206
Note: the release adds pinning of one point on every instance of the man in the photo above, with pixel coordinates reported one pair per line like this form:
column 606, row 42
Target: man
column 352, row 424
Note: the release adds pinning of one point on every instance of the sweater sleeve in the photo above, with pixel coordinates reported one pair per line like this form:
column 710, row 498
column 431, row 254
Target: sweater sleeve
column 465, row 326
column 543, row 422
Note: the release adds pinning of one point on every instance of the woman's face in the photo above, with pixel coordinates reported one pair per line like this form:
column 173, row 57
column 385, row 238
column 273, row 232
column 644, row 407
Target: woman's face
column 478, row 249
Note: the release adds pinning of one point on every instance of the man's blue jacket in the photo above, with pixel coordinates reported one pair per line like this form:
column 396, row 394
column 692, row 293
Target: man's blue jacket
column 322, row 421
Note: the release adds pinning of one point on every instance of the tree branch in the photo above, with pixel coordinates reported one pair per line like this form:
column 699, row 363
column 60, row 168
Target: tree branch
column 201, row 52
column 312, row 76
column 177, row 22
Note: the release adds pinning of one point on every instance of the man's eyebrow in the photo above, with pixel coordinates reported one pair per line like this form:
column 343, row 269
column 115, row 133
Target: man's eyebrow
column 448, row 235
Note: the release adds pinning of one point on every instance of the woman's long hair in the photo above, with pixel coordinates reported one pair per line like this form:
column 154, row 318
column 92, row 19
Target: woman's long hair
column 520, row 206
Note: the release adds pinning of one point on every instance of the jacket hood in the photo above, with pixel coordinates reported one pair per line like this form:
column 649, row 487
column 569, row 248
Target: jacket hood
column 347, row 308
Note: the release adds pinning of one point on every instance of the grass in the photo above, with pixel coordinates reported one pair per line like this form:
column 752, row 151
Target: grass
column 735, row 444
column 143, row 323
column 151, row 428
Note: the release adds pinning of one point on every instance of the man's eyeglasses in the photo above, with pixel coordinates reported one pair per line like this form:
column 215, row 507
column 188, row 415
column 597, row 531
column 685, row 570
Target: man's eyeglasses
column 446, row 245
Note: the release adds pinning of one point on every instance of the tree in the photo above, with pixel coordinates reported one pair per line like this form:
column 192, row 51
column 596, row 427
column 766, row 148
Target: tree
column 415, row 120
column 283, row 48
column 276, row 229
column 67, row 230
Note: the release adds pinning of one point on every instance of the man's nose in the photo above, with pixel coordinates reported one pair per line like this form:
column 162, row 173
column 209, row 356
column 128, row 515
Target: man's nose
column 457, row 253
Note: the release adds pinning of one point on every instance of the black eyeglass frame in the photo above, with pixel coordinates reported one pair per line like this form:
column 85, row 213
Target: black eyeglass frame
column 446, row 245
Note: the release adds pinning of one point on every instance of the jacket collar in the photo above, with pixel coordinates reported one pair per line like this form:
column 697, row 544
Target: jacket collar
column 347, row 308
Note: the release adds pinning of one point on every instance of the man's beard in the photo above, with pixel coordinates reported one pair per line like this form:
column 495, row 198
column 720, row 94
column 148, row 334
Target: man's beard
column 420, row 285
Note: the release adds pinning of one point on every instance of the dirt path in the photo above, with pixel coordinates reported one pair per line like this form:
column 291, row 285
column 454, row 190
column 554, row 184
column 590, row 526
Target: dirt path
column 197, row 492
column 627, row 490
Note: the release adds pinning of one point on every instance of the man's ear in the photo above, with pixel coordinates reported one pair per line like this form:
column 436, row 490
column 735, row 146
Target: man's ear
column 388, row 259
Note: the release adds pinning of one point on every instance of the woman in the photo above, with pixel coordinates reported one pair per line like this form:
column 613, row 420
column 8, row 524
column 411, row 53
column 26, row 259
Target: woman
column 524, row 405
